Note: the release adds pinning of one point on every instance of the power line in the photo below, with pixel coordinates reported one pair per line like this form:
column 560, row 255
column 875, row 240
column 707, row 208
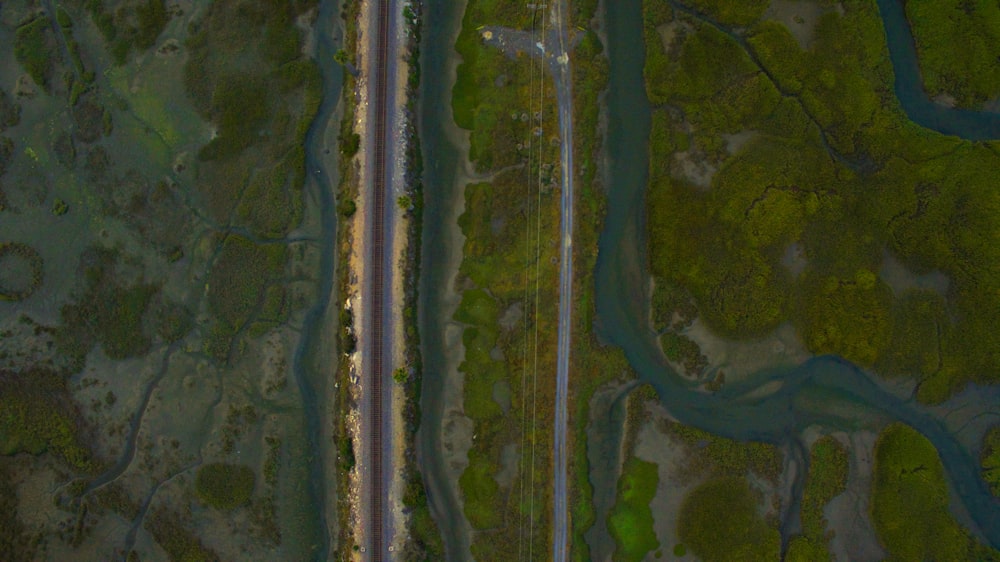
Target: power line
column 538, row 263
column 527, row 265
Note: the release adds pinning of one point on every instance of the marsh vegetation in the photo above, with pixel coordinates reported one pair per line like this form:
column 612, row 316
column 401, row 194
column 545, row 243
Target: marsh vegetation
column 822, row 171
column 153, row 174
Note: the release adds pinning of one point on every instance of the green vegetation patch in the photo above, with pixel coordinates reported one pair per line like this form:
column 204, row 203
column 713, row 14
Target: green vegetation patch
column 507, row 102
column 239, row 278
column 919, row 324
column 719, row 520
column 990, row 459
column 109, row 309
column 631, row 521
column 21, row 271
column 717, row 455
column 849, row 316
column 246, row 75
column 225, row 486
column 15, row 541
column 909, row 502
column 38, row 415
column 828, row 467
column 272, row 205
column 131, row 25
column 479, row 491
column 958, row 44
column 10, row 111
column 829, row 165
column 171, row 532
column 35, row 49
column 491, row 93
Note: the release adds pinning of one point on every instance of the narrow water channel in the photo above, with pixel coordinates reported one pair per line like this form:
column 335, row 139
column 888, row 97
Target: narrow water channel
column 970, row 125
column 441, row 245
column 825, row 391
column 316, row 356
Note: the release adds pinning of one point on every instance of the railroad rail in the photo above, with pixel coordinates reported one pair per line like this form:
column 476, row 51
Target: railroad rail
column 376, row 299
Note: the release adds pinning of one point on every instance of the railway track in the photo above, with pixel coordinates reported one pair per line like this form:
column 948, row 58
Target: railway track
column 376, row 299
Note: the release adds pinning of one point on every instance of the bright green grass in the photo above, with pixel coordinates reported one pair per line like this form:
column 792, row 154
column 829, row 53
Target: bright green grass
column 631, row 520
column 479, row 491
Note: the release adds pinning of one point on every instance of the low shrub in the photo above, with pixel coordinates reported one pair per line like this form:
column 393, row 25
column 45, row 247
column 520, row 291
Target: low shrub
column 225, row 486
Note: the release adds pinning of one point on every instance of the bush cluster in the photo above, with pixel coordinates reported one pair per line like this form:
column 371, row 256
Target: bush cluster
column 134, row 25
column 909, row 502
column 22, row 270
column 38, row 415
column 225, row 486
column 827, row 478
column 958, row 44
column 720, row 521
column 106, row 311
column 35, row 49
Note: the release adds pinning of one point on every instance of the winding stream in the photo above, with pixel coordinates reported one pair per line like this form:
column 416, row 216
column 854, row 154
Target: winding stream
column 825, row 391
column 441, row 241
column 309, row 366
column 971, row 125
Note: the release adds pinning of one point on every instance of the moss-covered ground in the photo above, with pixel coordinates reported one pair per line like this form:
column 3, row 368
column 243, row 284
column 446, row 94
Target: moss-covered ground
column 832, row 166
column 631, row 521
column 909, row 502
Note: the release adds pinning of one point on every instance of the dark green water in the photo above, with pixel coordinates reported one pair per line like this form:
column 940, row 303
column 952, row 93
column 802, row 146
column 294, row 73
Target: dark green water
column 313, row 355
column 825, row 391
column 442, row 161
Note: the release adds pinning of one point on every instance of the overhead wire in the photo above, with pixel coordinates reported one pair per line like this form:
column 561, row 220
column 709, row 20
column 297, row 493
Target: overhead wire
column 527, row 264
column 538, row 263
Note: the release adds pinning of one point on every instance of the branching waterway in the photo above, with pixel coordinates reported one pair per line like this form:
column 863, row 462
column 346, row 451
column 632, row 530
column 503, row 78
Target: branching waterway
column 774, row 406
column 824, row 391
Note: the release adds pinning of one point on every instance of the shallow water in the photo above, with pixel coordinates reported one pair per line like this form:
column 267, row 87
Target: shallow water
column 310, row 364
column 442, row 199
column 824, row 391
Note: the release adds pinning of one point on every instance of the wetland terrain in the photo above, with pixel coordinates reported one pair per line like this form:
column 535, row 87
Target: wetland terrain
column 784, row 280
column 789, row 311
column 167, row 270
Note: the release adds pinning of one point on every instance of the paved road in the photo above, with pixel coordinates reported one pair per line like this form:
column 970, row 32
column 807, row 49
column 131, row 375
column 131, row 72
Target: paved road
column 559, row 53
column 554, row 47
